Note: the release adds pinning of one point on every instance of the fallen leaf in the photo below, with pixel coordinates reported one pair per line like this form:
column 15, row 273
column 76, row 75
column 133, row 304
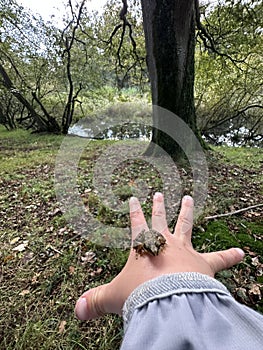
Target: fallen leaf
column 71, row 270
column 98, row 271
column 49, row 246
column 61, row 328
column 89, row 257
column 35, row 277
column 24, row 292
column 21, row 247
column 255, row 290
column 7, row 258
column 57, row 211
column 62, row 230
column 15, row 240
column 255, row 261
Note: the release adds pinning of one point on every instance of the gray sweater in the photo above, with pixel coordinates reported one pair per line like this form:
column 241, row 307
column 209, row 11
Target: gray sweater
column 188, row 311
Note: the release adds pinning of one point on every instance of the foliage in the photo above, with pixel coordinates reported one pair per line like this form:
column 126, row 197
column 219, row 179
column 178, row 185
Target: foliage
column 59, row 68
column 228, row 65
column 228, row 81
column 122, row 52
column 28, row 62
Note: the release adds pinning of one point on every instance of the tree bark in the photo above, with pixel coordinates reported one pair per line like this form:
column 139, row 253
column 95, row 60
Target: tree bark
column 169, row 27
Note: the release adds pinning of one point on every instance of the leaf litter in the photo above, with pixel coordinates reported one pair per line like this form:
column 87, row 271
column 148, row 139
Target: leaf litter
column 42, row 259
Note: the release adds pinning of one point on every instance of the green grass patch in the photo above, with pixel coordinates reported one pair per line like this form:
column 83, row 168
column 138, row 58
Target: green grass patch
column 244, row 157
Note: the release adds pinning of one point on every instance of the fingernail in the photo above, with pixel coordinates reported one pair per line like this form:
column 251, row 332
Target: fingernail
column 188, row 200
column 158, row 196
column 81, row 309
column 241, row 252
column 134, row 204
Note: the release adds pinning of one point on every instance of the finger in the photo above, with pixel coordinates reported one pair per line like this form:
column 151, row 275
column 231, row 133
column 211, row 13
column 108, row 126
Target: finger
column 138, row 222
column 184, row 225
column 90, row 305
column 159, row 222
column 224, row 259
column 97, row 302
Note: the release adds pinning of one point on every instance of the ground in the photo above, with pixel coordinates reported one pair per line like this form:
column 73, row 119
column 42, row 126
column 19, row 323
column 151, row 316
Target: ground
column 46, row 265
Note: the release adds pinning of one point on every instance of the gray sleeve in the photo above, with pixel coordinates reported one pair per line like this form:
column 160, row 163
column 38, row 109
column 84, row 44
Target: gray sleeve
column 188, row 311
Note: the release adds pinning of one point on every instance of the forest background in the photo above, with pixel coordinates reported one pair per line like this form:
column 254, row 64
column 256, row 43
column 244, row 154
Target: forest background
column 52, row 77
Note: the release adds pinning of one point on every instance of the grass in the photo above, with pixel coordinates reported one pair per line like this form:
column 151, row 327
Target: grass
column 45, row 265
column 241, row 156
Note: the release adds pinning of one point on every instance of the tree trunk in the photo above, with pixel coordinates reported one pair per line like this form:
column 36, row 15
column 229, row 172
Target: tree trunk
column 169, row 27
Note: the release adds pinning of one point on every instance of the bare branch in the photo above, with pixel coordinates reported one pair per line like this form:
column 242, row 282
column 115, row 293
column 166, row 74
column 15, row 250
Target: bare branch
column 68, row 41
column 124, row 10
column 234, row 212
column 126, row 23
column 238, row 113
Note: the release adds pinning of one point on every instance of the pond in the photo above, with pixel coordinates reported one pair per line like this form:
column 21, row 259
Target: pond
column 234, row 137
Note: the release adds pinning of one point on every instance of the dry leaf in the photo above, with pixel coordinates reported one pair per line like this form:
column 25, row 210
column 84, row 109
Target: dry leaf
column 56, row 212
column 49, row 246
column 71, row 270
column 99, row 271
column 255, row 261
column 255, row 290
column 7, row 258
column 15, row 240
column 89, row 257
column 62, row 230
column 24, row 292
column 35, row 278
column 61, row 328
column 21, row 247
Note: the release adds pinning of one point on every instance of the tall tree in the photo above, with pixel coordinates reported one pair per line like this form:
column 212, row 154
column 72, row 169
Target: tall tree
column 26, row 45
column 169, row 28
column 42, row 67
column 69, row 38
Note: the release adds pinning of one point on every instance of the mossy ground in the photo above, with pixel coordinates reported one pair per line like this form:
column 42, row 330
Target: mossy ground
column 45, row 265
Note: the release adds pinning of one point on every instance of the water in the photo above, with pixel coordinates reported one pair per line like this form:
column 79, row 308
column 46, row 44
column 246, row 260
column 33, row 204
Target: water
column 234, row 138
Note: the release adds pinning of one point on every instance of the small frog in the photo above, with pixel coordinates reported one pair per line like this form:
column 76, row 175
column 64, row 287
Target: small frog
column 149, row 242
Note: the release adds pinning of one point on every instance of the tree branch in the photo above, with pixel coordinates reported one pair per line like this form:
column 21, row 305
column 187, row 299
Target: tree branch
column 208, row 40
column 126, row 23
column 238, row 113
column 234, row 212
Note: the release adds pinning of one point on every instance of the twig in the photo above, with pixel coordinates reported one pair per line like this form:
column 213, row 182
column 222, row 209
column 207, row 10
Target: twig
column 49, row 246
column 233, row 212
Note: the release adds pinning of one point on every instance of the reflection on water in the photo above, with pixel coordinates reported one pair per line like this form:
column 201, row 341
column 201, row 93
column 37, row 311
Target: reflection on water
column 235, row 137
column 119, row 132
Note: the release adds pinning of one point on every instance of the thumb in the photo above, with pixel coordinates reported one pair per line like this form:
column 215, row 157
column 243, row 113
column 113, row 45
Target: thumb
column 92, row 303
column 224, row 259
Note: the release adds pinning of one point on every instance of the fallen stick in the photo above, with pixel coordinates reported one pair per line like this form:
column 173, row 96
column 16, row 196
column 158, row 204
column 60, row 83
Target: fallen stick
column 233, row 212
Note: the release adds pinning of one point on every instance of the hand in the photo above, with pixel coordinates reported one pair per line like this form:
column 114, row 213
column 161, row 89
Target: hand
column 177, row 256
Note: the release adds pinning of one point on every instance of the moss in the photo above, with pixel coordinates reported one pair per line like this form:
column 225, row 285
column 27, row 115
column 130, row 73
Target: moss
column 217, row 236
column 220, row 235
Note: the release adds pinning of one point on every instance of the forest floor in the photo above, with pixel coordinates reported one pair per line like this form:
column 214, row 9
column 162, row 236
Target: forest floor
column 45, row 265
